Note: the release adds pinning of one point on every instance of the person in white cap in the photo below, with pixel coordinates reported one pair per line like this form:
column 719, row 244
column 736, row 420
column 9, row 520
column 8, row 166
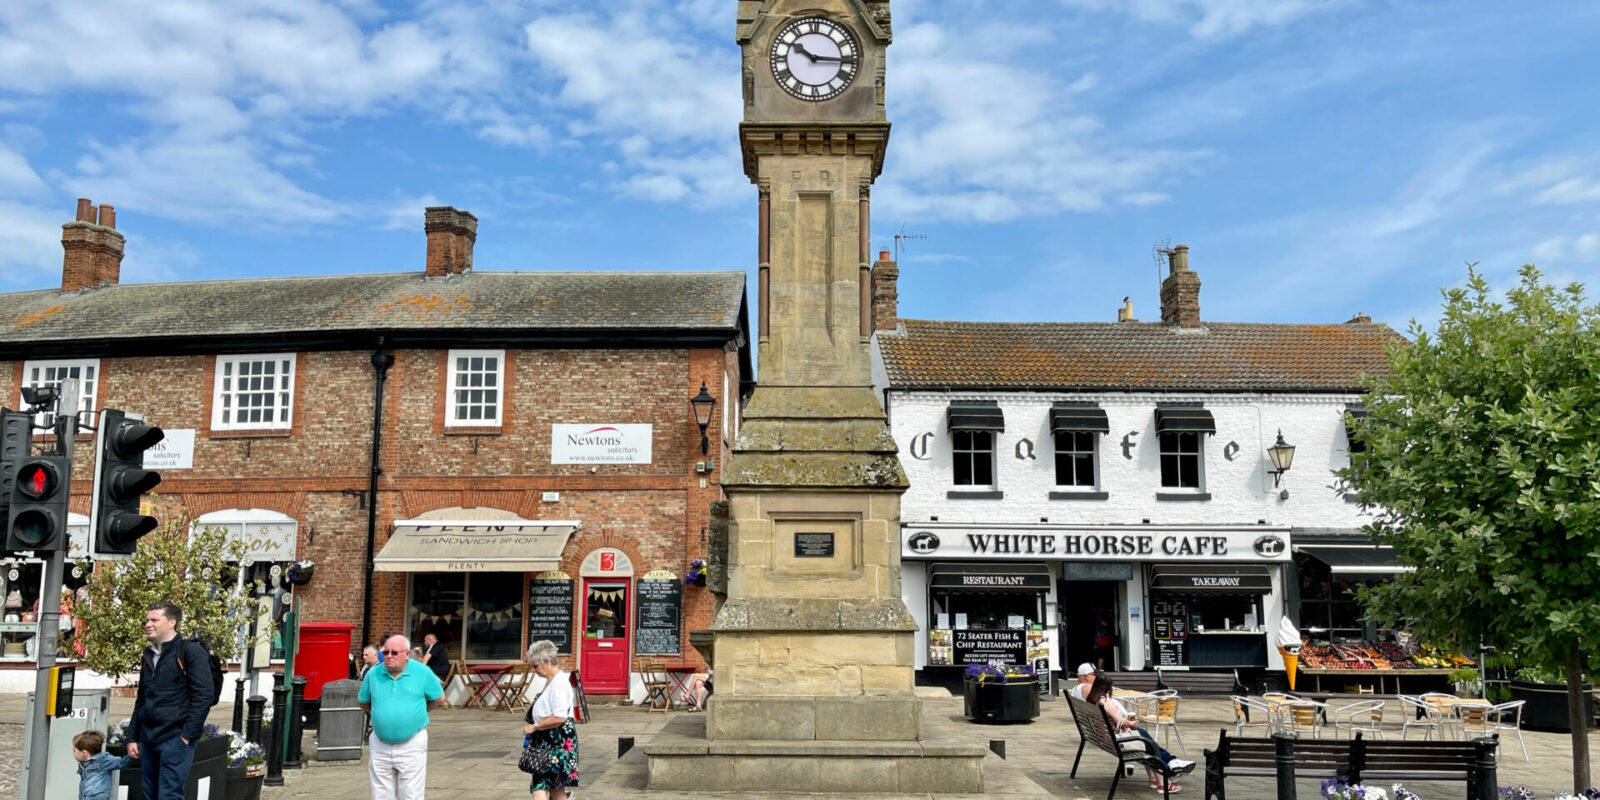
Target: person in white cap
column 1085, row 680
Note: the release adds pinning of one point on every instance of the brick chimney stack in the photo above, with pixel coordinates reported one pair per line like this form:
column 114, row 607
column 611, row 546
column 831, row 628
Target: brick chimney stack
column 93, row 248
column 885, row 293
column 1359, row 319
column 1180, row 292
column 451, row 234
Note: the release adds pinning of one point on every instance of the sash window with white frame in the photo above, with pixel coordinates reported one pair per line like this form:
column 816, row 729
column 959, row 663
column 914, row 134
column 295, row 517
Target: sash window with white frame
column 1180, row 460
column 476, row 387
column 39, row 374
column 253, row 392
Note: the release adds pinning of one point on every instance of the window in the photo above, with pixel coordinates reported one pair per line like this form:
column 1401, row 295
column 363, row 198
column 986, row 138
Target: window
column 973, row 457
column 1075, row 458
column 37, row 374
column 476, row 380
column 1180, row 460
column 476, row 616
column 253, row 392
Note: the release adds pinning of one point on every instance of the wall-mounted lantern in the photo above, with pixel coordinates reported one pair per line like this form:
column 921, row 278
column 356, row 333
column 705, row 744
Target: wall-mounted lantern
column 702, row 404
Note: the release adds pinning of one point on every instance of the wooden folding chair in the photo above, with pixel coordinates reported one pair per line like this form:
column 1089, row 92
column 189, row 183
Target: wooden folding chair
column 514, row 688
column 658, row 690
column 458, row 669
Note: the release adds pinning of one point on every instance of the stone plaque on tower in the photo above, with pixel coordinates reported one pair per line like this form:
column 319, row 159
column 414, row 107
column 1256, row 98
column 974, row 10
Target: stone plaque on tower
column 813, row 645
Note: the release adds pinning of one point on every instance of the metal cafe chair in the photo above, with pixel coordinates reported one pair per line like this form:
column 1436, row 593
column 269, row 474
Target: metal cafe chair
column 1419, row 714
column 1494, row 719
column 1160, row 710
column 1365, row 717
column 1242, row 708
column 1301, row 717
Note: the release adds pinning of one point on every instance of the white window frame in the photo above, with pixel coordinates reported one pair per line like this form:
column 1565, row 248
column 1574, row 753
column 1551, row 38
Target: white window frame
column 451, row 407
column 1199, row 456
column 279, row 421
column 1094, row 461
column 88, row 388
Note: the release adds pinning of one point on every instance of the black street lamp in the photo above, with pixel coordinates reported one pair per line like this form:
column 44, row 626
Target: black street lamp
column 702, row 404
column 1282, row 455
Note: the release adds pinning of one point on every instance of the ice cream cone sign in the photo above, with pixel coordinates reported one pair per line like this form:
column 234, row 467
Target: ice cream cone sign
column 1289, row 647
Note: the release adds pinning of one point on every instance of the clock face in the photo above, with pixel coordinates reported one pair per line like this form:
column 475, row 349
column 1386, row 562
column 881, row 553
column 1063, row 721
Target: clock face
column 815, row 58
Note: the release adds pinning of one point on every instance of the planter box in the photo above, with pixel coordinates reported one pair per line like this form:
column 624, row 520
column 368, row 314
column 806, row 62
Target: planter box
column 209, row 769
column 244, row 783
column 994, row 701
column 1547, row 705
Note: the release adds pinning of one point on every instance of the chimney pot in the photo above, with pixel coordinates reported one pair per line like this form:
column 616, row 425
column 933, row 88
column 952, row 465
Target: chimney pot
column 883, row 255
column 1125, row 314
column 108, row 216
column 1180, row 292
column 91, row 251
column 85, row 210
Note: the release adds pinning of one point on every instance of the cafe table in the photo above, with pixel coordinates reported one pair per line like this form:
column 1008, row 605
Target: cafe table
column 488, row 677
column 678, row 675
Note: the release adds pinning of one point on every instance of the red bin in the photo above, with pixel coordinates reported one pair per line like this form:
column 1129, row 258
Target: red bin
column 324, row 654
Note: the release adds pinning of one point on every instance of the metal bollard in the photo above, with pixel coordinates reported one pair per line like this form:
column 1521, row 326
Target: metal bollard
column 280, row 718
column 238, row 703
column 252, row 720
column 1486, row 781
column 998, row 747
column 297, row 702
column 1283, row 744
column 624, row 744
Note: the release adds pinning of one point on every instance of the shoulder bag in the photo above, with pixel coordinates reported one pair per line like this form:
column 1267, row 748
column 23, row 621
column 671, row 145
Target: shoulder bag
column 536, row 758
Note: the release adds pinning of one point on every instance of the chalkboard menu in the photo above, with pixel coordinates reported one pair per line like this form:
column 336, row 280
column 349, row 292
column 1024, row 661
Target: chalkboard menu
column 1172, row 653
column 550, row 612
column 659, row 614
column 1169, row 623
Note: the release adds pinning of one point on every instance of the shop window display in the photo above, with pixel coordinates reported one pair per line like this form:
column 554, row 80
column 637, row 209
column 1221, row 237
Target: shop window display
column 974, row 628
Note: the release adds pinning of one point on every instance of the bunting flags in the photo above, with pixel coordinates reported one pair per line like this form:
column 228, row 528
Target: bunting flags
column 607, row 597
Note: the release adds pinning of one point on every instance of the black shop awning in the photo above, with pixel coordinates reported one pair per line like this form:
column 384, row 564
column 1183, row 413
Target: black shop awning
column 976, row 416
column 989, row 577
column 1211, row 579
column 1184, row 419
column 1072, row 417
column 1358, row 562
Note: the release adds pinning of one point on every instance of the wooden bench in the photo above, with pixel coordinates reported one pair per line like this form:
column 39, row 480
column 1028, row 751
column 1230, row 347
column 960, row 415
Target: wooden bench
column 1355, row 760
column 1095, row 726
column 1137, row 681
column 1185, row 682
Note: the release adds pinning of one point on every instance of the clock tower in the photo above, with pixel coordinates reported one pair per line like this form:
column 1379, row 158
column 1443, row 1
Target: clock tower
column 812, row 646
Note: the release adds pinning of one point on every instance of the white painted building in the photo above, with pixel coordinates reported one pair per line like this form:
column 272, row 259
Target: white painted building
column 1078, row 482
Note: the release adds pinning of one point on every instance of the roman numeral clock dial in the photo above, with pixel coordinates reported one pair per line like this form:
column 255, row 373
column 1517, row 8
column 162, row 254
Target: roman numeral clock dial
column 815, row 58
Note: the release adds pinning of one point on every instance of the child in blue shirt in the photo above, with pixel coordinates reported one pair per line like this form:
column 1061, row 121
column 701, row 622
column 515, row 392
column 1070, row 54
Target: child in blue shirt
column 95, row 767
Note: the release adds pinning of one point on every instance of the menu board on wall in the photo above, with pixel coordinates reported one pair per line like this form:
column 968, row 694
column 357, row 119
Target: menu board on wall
column 660, row 613
column 990, row 647
column 1172, row 653
column 550, row 612
column 1169, row 626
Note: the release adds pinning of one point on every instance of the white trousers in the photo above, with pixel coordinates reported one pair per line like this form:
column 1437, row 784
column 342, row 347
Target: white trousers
column 398, row 771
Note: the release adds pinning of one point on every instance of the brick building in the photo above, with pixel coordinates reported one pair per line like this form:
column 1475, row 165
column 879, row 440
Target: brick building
column 532, row 428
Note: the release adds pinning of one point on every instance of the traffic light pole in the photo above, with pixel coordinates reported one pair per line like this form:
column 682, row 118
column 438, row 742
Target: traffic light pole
column 50, row 609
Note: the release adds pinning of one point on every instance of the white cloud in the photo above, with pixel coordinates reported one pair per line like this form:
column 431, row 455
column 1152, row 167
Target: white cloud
column 1559, row 181
column 1423, row 198
column 30, row 244
column 1585, row 247
column 1215, row 19
column 15, row 174
column 406, row 214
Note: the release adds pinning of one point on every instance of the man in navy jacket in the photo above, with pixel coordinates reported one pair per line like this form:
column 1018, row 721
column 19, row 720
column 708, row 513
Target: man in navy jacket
column 174, row 697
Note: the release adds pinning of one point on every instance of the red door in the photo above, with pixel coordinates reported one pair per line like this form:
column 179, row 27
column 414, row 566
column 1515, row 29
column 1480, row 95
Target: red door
column 605, row 635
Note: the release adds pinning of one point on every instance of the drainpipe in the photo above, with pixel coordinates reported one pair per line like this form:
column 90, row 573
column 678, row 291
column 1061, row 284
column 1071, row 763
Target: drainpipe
column 381, row 362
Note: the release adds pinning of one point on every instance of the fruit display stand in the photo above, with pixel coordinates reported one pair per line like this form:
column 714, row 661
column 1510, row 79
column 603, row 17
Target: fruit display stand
column 1381, row 665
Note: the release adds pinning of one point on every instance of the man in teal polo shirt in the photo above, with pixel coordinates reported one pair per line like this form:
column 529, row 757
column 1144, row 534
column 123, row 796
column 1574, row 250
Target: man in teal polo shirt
column 398, row 697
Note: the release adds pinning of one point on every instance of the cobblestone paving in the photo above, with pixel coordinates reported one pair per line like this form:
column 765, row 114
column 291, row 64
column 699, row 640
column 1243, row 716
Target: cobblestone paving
column 11, row 758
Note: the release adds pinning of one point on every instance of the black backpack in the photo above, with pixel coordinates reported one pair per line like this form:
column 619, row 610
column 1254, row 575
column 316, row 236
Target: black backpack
column 215, row 663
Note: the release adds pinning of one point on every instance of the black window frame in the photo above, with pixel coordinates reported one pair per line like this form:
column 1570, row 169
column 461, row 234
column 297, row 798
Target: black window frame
column 966, row 461
column 1173, row 458
column 1075, row 459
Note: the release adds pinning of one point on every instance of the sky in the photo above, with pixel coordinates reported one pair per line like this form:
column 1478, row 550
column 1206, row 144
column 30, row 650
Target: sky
column 1321, row 158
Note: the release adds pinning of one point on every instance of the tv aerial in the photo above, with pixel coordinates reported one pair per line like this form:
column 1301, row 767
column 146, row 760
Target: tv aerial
column 902, row 237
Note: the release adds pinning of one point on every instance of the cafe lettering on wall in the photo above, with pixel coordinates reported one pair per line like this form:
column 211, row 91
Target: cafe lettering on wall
column 1110, row 544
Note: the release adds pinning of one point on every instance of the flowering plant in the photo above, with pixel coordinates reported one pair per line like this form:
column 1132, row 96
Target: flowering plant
column 117, row 734
column 1343, row 789
column 300, row 572
column 1524, row 793
column 698, row 570
column 242, row 752
column 999, row 673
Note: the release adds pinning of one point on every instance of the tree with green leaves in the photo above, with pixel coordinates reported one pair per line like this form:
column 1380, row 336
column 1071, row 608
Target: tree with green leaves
column 195, row 567
column 1482, row 470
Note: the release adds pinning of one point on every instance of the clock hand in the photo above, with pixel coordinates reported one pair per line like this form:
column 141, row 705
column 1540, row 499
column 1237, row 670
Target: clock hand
column 835, row 59
column 801, row 49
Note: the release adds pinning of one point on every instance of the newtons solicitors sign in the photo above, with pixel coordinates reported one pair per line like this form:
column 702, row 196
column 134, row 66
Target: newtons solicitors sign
column 600, row 443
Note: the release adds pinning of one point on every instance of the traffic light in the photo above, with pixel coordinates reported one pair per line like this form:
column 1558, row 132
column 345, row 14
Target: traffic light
column 39, row 504
column 120, row 480
column 14, row 437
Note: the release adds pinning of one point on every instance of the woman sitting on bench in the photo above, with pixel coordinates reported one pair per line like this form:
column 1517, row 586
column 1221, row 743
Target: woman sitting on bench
column 1100, row 694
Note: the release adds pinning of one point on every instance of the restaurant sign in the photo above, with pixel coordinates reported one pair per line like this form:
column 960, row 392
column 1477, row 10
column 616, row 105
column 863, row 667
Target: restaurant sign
column 1104, row 543
column 600, row 443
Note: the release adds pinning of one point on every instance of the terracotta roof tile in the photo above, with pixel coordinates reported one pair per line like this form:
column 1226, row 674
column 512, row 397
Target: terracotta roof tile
column 1134, row 356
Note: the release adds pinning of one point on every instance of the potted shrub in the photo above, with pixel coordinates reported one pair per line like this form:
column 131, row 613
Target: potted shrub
column 210, row 759
column 1546, row 693
column 1467, row 682
column 1001, row 693
column 247, row 768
